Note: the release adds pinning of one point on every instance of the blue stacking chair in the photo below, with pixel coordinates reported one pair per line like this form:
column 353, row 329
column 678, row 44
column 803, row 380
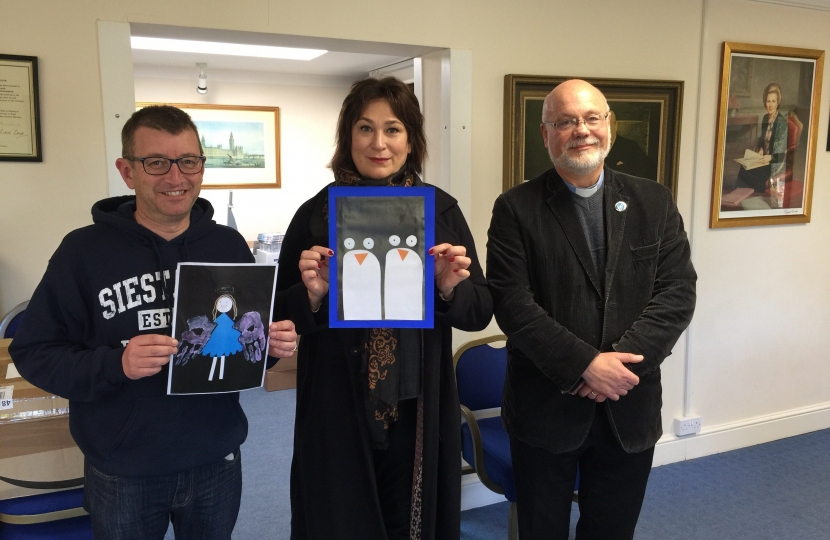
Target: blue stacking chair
column 54, row 516
column 10, row 322
column 480, row 370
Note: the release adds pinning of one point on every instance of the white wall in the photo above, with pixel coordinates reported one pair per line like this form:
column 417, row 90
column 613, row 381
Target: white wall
column 308, row 116
column 752, row 362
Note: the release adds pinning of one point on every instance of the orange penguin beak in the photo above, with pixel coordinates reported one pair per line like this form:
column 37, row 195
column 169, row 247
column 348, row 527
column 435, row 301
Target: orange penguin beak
column 403, row 253
column 360, row 257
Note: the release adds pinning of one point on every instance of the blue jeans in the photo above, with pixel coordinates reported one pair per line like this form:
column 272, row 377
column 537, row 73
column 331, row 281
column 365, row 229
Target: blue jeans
column 202, row 503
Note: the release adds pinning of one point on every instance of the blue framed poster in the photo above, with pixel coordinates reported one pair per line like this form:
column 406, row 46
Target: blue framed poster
column 381, row 275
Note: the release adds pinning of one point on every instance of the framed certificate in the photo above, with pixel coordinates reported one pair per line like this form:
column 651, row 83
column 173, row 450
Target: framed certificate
column 19, row 109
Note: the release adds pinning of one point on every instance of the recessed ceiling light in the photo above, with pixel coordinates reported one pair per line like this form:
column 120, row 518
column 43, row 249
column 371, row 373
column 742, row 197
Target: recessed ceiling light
column 230, row 49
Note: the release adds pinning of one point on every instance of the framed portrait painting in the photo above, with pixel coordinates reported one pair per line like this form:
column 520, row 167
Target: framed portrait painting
column 766, row 135
column 645, row 127
column 241, row 144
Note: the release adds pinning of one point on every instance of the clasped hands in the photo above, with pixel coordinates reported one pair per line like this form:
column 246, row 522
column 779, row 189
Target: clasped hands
column 607, row 377
column 451, row 264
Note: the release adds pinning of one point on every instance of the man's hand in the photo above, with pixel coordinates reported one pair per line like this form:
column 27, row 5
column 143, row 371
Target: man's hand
column 583, row 390
column 146, row 354
column 608, row 376
column 283, row 339
column 314, row 267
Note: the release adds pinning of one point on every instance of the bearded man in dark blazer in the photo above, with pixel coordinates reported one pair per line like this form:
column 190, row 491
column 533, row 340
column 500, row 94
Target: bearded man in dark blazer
column 593, row 284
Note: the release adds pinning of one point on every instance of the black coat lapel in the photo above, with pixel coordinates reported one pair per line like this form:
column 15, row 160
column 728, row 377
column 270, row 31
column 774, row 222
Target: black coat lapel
column 616, row 210
column 563, row 208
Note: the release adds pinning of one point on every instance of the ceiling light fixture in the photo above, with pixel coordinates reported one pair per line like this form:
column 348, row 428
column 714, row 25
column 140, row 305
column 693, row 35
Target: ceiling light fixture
column 202, row 86
column 229, row 49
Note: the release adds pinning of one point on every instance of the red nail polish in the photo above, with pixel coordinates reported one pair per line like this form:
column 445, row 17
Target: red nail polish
column 318, row 265
column 331, row 253
column 431, row 251
column 455, row 269
column 452, row 259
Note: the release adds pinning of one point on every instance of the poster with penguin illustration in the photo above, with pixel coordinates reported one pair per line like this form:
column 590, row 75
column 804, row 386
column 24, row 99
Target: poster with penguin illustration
column 381, row 275
column 220, row 319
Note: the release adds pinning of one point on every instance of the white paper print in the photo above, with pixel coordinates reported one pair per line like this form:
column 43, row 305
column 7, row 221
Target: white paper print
column 6, row 401
column 403, row 281
column 361, row 282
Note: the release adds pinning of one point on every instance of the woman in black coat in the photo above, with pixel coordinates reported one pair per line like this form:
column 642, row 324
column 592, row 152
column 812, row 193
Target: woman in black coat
column 376, row 438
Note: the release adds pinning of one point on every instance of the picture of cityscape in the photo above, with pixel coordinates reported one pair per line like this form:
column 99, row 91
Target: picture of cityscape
column 232, row 145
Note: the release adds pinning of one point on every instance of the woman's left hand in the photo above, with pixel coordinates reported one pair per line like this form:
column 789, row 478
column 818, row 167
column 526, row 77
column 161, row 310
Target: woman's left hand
column 451, row 263
column 283, row 340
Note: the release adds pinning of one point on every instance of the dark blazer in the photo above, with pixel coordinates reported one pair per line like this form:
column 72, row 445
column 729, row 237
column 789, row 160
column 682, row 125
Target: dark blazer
column 557, row 317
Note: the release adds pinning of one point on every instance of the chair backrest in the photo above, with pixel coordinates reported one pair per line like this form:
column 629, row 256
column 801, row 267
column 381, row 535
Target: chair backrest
column 10, row 322
column 794, row 128
column 479, row 371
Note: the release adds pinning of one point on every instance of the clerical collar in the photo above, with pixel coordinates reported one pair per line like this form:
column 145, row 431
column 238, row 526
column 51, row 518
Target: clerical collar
column 588, row 191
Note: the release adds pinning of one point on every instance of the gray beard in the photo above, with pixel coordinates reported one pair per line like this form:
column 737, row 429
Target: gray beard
column 582, row 165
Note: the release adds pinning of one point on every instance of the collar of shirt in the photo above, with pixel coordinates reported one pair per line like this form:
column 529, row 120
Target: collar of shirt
column 588, row 191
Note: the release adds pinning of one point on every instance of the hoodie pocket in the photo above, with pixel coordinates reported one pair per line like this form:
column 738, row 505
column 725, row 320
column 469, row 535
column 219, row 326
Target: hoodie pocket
column 127, row 427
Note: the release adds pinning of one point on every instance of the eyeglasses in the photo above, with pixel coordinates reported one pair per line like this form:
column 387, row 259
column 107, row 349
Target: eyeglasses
column 569, row 124
column 160, row 165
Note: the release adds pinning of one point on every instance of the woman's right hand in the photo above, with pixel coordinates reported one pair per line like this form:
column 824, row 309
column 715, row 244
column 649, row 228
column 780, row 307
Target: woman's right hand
column 314, row 267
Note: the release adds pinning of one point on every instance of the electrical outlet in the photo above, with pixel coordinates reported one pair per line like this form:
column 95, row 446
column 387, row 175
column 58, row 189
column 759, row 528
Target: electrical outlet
column 686, row 425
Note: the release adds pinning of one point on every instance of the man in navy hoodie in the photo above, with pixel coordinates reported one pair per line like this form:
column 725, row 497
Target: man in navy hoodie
column 97, row 331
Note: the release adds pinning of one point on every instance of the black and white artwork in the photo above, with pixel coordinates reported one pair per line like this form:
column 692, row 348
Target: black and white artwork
column 384, row 275
column 221, row 319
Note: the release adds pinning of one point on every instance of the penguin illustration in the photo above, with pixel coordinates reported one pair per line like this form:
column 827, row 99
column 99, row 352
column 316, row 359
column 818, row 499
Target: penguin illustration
column 361, row 282
column 403, row 283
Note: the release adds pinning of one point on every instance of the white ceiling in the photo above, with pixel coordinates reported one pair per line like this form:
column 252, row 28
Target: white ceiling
column 333, row 63
column 346, row 58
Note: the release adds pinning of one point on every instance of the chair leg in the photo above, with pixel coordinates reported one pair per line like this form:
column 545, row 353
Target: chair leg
column 512, row 523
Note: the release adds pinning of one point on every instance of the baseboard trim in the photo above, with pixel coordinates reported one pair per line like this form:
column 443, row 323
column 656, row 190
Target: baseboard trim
column 711, row 440
column 749, row 432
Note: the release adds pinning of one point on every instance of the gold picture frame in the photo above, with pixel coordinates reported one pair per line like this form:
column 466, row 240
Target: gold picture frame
column 766, row 141
column 251, row 158
column 648, row 112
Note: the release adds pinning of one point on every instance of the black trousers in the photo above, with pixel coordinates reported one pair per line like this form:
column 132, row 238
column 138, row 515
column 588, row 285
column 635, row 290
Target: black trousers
column 393, row 471
column 612, row 484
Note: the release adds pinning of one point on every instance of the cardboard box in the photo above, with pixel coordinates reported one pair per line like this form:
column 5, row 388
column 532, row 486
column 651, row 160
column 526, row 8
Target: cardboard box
column 283, row 375
column 35, row 443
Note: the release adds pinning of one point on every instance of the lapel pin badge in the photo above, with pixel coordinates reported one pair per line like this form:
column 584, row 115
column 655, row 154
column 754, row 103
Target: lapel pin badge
column 620, row 206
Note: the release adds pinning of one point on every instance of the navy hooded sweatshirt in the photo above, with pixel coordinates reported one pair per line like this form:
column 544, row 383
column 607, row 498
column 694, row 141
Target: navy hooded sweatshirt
column 105, row 284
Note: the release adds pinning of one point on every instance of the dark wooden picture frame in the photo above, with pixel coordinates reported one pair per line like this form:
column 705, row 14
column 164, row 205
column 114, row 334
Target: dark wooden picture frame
column 20, row 138
column 763, row 171
column 648, row 117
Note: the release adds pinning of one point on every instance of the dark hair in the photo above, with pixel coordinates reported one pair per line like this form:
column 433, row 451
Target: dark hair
column 403, row 103
column 772, row 88
column 161, row 117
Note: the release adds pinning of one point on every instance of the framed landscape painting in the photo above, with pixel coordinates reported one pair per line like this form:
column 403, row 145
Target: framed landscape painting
column 241, row 144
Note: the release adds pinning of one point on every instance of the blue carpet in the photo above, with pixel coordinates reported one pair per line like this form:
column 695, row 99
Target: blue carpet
column 778, row 490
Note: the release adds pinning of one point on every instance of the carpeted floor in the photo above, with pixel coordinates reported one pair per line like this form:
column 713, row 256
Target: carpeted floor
column 778, row 490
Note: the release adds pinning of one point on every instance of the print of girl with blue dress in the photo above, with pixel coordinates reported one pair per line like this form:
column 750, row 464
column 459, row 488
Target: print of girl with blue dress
column 224, row 341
